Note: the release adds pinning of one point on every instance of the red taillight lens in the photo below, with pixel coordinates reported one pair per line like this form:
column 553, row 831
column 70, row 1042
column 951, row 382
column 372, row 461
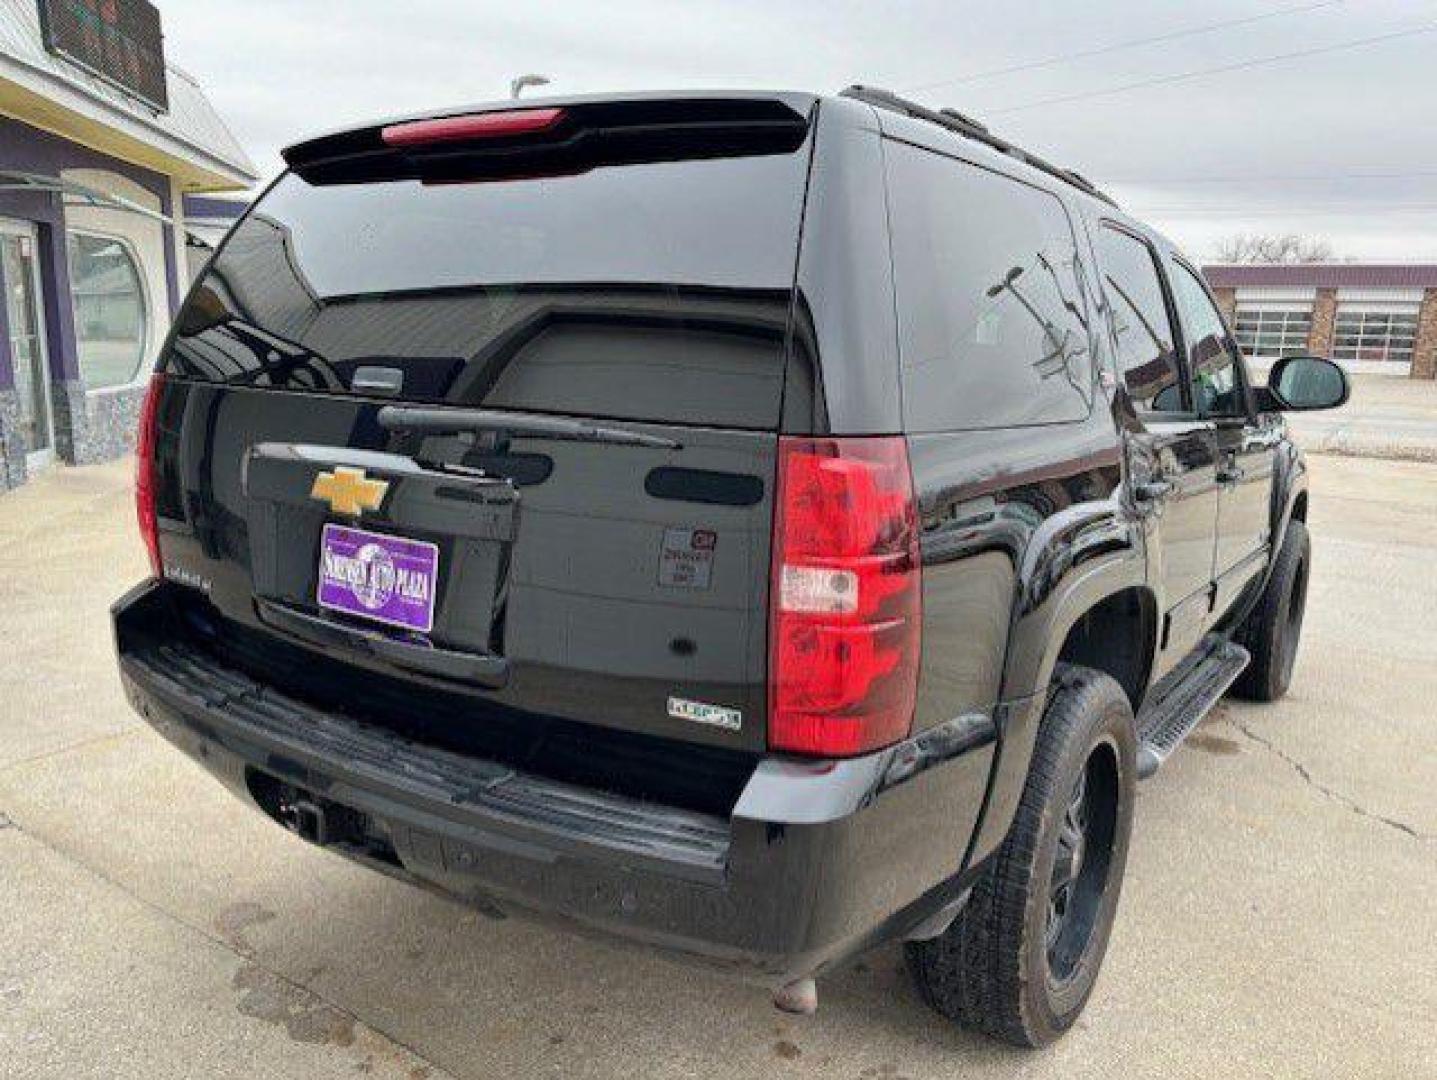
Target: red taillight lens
column 494, row 125
column 845, row 611
column 145, row 472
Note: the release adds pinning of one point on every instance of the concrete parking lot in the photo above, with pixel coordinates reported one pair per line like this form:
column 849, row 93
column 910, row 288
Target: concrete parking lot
column 1389, row 416
column 1278, row 918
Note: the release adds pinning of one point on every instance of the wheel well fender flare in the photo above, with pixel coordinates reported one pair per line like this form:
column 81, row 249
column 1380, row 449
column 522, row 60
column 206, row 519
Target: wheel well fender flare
column 1289, row 495
column 1038, row 639
column 1037, row 643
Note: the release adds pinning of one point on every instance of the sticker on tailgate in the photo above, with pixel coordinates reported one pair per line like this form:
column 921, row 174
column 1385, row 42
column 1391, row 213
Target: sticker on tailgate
column 687, row 558
column 386, row 579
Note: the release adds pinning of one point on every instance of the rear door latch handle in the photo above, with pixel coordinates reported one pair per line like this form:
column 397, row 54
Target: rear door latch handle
column 1230, row 475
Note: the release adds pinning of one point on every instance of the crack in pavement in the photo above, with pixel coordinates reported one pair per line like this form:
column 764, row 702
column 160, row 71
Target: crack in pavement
column 110, row 736
column 1336, row 796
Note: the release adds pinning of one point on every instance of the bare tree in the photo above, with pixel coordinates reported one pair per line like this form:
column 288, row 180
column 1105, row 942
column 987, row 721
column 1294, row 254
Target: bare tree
column 1285, row 248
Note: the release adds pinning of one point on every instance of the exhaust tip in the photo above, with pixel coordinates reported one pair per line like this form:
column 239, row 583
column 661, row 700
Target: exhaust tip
column 799, row 997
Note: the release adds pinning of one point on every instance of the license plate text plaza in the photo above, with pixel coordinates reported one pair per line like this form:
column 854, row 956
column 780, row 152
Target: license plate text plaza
column 386, row 579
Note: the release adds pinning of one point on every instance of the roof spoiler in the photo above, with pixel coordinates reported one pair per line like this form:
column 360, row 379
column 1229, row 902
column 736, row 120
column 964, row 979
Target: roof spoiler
column 534, row 139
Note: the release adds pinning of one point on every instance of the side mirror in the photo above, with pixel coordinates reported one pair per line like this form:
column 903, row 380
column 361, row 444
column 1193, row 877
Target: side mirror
column 1305, row 383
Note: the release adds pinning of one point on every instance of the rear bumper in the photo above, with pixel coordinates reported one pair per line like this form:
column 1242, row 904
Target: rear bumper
column 817, row 861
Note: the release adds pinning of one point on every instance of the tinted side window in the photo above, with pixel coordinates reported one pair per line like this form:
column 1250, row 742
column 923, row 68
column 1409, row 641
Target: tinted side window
column 1217, row 386
column 991, row 313
column 1144, row 333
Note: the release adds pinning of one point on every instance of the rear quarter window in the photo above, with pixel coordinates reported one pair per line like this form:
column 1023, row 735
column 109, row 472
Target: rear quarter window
column 992, row 312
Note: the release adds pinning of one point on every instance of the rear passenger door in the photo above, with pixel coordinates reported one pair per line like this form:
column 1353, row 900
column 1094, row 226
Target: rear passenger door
column 1171, row 451
column 1246, row 446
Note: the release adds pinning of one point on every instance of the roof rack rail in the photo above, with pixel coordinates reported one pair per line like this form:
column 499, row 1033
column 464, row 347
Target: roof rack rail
column 966, row 126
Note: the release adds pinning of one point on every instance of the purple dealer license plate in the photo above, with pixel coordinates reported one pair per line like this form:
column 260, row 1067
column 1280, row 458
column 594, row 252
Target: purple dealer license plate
column 384, row 578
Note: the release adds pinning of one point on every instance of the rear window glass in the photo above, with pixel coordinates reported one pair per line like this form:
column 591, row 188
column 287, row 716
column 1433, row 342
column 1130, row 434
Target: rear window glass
column 644, row 292
column 992, row 313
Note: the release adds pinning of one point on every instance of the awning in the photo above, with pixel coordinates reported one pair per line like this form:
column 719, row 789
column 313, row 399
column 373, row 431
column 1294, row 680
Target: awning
column 202, row 235
column 75, row 194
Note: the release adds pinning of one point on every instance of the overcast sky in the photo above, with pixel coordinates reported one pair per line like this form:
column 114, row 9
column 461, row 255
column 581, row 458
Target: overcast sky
column 1339, row 143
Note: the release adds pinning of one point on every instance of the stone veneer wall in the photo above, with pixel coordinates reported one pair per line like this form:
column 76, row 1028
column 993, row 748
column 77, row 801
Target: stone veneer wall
column 12, row 454
column 95, row 427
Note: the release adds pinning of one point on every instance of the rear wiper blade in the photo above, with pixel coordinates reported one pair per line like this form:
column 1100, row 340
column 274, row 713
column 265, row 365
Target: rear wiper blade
column 452, row 421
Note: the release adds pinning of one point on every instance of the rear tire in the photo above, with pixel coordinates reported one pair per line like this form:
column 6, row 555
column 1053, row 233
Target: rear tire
column 1021, row 959
column 1273, row 629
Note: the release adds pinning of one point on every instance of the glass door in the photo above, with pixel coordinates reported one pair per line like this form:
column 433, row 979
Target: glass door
column 20, row 278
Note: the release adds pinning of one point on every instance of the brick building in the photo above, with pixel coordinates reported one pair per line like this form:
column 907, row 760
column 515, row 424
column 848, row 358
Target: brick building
column 1370, row 317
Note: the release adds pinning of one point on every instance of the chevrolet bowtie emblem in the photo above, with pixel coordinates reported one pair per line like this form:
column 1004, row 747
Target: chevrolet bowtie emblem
column 348, row 491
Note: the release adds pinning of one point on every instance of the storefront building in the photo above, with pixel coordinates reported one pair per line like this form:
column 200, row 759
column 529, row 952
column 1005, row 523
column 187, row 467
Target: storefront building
column 105, row 153
column 1371, row 318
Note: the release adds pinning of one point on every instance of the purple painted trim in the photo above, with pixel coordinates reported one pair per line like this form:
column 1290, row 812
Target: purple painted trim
column 203, row 206
column 31, row 150
column 7, row 363
column 59, row 308
column 1323, row 276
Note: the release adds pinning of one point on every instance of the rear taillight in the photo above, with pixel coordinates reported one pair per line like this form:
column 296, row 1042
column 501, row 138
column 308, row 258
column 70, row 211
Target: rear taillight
column 449, row 129
column 145, row 472
column 845, row 610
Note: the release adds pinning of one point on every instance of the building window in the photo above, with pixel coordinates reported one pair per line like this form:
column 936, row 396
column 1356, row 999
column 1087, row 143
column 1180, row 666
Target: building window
column 1375, row 335
column 110, row 309
column 1273, row 332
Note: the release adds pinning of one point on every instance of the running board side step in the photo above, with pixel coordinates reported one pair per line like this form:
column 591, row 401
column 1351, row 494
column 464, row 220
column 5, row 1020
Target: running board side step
column 1183, row 697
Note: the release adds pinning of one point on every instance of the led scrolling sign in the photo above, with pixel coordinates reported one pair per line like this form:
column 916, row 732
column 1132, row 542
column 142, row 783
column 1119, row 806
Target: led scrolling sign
column 118, row 41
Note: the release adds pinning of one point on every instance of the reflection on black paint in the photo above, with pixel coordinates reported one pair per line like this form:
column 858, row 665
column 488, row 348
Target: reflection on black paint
column 1046, row 516
column 1141, row 325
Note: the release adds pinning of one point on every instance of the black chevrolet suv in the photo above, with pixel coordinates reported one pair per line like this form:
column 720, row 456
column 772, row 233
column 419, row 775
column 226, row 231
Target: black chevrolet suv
column 756, row 525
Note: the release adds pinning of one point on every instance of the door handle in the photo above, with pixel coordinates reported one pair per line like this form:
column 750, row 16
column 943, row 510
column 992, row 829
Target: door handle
column 1153, row 490
column 1230, row 474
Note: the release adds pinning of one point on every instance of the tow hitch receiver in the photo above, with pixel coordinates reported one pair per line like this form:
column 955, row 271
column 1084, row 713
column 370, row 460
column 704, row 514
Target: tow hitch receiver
column 316, row 820
column 305, row 818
